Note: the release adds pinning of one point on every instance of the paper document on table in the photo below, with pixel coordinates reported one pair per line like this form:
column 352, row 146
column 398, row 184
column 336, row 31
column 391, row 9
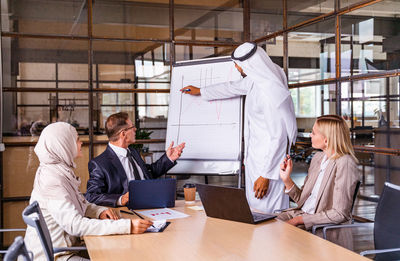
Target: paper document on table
column 158, row 226
column 196, row 208
column 162, row 213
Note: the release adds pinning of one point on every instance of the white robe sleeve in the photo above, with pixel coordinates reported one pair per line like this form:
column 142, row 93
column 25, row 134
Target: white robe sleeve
column 276, row 147
column 71, row 221
column 226, row 90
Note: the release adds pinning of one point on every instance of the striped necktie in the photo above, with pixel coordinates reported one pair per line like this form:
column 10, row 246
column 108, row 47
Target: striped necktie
column 135, row 170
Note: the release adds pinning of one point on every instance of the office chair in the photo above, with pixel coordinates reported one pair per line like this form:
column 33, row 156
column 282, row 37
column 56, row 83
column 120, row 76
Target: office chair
column 18, row 249
column 33, row 217
column 386, row 225
column 2, row 230
column 357, row 188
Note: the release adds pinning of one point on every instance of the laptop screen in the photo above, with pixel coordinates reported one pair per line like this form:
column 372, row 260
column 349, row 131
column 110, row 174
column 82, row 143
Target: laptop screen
column 152, row 193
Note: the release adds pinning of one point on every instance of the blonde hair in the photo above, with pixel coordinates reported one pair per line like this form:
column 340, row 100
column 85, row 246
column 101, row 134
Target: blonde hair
column 336, row 131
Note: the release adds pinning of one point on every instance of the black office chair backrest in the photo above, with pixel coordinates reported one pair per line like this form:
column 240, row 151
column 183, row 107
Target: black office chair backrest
column 355, row 194
column 387, row 216
column 33, row 216
column 18, row 249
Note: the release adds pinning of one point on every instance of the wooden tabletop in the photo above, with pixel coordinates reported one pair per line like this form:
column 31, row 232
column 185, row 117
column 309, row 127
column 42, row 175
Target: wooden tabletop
column 199, row 237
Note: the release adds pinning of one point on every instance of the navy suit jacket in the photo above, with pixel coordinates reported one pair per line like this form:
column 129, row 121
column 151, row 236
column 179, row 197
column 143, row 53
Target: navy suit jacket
column 107, row 178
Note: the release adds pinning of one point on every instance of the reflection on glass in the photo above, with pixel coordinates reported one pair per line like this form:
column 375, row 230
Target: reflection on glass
column 154, row 99
column 300, row 11
column 295, row 98
column 117, row 63
column 395, row 113
column 386, row 168
column 274, row 49
column 114, row 76
column 370, row 39
column 151, row 70
column 312, row 52
column 36, row 71
column 265, row 17
column 30, row 120
column 307, row 101
column 153, row 85
column 367, row 101
column 73, row 72
column 131, row 19
column 67, row 17
column 184, row 52
column 32, row 110
column 105, row 111
column 38, row 63
column 208, row 20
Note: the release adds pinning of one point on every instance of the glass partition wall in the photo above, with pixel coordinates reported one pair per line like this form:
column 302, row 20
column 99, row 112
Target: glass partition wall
column 80, row 61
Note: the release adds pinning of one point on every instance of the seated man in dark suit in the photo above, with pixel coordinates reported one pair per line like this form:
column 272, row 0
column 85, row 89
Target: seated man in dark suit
column 111, row 171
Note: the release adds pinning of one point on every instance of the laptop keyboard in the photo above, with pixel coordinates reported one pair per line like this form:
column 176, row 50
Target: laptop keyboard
column 259, row 216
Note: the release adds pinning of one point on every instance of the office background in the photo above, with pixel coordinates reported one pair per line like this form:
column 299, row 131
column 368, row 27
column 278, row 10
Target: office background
column 80, row 61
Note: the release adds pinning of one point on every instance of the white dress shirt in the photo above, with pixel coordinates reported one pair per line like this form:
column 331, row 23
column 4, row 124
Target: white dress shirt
column 311, row 203
column 121, row 153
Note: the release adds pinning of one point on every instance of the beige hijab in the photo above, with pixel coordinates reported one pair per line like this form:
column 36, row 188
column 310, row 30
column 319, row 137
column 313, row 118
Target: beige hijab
column 56, row 150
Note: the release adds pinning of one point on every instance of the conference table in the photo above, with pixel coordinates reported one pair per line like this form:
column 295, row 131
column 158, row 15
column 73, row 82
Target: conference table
column 199, row 237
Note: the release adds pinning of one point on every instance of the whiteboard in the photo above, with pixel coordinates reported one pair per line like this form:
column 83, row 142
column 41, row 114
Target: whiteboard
column 212, row 130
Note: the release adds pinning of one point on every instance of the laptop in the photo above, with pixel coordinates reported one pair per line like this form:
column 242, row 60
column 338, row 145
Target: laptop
column 151, row 193
column 229, row 203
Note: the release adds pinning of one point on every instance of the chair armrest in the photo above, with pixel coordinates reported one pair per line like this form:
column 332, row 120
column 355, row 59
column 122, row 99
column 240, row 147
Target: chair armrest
column 62, row 249
column 12, row 229
column 2, row 230
column 370, row 225
column 315, row 227
column 379, row 251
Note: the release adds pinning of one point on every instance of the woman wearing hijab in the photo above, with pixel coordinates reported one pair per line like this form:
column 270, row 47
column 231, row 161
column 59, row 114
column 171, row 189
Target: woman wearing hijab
column 56, row 188
column 327, row 193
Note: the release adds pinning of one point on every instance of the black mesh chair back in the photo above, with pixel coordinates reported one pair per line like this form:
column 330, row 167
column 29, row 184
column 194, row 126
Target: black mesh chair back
column 386, row 228
column 355, row 194
column 33, row 217
column 18, row 249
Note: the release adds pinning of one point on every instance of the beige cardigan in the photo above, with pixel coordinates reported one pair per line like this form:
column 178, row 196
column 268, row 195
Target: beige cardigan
column 64, row 219
column 335, row 195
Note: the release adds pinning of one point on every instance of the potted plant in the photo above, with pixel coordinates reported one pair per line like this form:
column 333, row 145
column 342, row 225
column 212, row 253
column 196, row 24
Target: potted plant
column 141, row 134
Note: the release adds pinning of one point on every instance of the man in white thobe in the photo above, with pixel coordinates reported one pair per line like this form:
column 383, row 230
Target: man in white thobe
column 270, row 123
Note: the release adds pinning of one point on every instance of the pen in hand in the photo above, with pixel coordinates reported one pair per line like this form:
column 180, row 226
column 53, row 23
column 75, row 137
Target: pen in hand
column 134, row 213
column 127, row 212
column 192, row 90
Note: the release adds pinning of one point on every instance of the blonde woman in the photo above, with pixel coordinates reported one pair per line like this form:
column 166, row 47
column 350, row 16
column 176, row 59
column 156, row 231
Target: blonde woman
column 56, row 188
column 327, row 193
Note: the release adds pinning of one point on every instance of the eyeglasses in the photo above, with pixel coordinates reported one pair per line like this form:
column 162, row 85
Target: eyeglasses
column 124, row 129
column 131, row 127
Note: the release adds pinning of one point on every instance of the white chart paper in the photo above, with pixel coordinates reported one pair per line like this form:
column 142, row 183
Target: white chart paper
column 162, row 213
column 210, row 129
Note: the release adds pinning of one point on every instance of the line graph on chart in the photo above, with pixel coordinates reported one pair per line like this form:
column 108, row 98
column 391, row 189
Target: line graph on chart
column 210, row 112
column 202, row 123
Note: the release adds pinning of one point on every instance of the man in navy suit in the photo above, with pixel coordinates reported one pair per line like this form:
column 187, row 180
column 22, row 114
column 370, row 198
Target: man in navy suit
column 111, row 171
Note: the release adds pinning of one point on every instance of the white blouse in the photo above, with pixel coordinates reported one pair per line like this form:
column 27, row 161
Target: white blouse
column 311, row 203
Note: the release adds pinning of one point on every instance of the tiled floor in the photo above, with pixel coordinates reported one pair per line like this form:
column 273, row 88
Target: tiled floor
column 363, row 238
